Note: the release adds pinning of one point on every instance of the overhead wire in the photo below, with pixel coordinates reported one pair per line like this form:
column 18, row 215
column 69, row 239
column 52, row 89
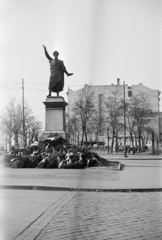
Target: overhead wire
column 35, row 89
column 9, row 89
column 39, row 90
column 47, row 84
column 10, row 85
column 37, row 83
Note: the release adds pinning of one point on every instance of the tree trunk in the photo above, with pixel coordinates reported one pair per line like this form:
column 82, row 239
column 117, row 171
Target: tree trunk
column 112, row 143
column 116, row 148
column 131, row 135
column 153, row 144
column 9, row 143
column 143, row 148
column 78, row 138
column 82, row 136
column 139, row 142
column 86, row 137
column 25, row 144
column 157, row 142
column 97, row 139
column 75, row 139
column 135, row 140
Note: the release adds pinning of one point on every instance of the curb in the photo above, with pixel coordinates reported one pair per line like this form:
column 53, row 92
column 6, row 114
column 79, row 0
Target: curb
column 129, row 158
column 48, row 188
column 142, row 165
column 138, row 159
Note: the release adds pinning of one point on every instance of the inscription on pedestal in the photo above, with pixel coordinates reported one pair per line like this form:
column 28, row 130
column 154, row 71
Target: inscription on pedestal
column 54, row 120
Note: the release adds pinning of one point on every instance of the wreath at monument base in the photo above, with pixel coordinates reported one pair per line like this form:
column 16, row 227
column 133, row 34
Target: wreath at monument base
column 56, row 152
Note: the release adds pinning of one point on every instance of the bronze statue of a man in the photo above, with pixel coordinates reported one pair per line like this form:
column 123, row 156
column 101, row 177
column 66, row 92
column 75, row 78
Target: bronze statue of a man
column 57, row 70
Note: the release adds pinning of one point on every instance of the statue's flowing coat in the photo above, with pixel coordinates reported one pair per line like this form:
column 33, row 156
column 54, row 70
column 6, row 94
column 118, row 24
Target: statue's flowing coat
column 57, row 69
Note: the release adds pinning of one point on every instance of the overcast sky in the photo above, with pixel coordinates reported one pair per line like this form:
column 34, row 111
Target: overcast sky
column 98, row 40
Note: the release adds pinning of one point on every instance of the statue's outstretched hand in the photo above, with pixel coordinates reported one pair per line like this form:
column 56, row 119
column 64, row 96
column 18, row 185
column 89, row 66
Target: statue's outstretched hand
column 69, row 74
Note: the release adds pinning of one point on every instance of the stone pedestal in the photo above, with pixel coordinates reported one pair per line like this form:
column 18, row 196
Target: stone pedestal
column 55, row 116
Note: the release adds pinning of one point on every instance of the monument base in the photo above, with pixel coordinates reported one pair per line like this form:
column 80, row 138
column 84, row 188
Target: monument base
column 45, row 134
column 55, row 116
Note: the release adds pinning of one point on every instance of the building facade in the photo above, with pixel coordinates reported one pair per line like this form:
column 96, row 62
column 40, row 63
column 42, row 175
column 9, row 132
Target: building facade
column 101, row 93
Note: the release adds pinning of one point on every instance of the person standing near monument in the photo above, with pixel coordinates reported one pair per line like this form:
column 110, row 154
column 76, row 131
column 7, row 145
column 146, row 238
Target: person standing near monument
column 57, row 70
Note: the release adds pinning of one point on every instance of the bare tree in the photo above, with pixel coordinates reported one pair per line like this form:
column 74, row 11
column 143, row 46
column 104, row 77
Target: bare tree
column 84, row 110
column 114, row 113
column 131, row 107
column 140, row 116
column 32, row 126
column 12, row 122
column 97, row 125
column 153, row 131
column 73, row 129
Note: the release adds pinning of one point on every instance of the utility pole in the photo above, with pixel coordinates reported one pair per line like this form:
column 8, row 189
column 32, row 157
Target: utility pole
column 124, row 117
column 24, row 141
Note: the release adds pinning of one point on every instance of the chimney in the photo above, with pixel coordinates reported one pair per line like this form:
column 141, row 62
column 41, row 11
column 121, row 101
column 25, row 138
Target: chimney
column 118, row 81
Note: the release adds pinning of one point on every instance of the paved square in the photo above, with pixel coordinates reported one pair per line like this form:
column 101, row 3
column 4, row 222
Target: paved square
column 103, row 216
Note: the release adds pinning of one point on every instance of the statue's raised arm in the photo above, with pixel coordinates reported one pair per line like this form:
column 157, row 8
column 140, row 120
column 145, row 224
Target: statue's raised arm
column 46, row 53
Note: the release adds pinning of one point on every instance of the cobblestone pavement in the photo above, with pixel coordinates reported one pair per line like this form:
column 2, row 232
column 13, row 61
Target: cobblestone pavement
column 100, row 215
